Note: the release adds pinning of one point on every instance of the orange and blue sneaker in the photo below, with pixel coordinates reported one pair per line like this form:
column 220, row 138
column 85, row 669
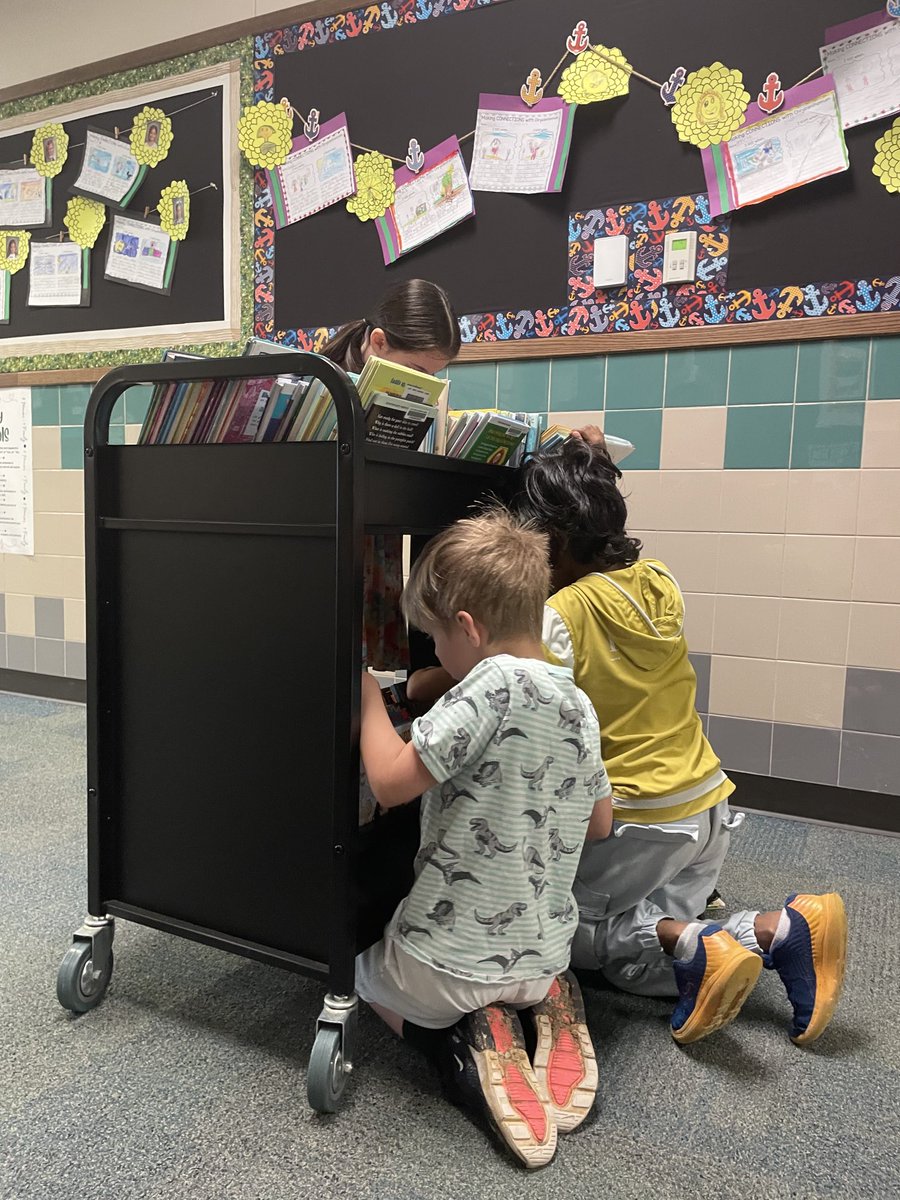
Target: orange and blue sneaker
column 486, row 1069
column 713, row 985
column 811, row 960
column 563, row 1057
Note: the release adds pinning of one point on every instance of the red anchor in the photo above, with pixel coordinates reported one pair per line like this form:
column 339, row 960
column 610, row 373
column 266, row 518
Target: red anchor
column 578, row 39
column 486, row 328
column 307, row 35
column 578, row 318
column 657, row 218
column 692, row 304
column 581, row 289
column 771, row 98
column 650, row 280
column 615, row 224
column 640, row 318
column 543, row 325
column 763, row 308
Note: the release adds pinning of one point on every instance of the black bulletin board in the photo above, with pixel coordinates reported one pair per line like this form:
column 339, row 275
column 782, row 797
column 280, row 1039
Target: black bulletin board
column 196, row 156
column 423, row 81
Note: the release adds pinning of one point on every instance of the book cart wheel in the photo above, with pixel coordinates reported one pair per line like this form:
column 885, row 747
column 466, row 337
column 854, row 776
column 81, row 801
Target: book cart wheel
column 80, row 983
column 327, row 1074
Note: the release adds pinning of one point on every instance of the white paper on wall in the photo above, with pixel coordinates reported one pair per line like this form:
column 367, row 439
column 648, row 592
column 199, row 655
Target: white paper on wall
column 16, row 482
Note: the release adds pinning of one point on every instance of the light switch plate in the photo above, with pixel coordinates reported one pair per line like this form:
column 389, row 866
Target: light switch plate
column 680, row 257
column 611, row 261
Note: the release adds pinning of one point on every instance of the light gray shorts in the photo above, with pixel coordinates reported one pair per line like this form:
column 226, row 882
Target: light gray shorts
column 395, row 980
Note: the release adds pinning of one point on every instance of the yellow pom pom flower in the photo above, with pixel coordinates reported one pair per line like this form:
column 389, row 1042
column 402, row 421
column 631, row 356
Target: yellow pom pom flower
column 49, row 149
column 375, row 188
column 710, row 105
column 265, row 134
column 84, row 219
column 887, row 158
column 174, row 210
column 14, row 246
column 591, row 77
column 151, row 136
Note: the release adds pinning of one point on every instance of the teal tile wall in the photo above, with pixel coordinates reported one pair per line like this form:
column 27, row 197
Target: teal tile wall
column 578, row 384
column 884, row 377
column 759, row 436
column 635, row 380
column 696, row 378
column 763, row 374
column 827, row 436
column 832, row 371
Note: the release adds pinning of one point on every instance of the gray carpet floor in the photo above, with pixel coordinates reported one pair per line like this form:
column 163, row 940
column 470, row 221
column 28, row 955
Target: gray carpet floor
column 189, row 1080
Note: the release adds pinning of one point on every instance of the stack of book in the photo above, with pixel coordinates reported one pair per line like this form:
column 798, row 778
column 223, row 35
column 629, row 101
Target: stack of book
column 489, row 435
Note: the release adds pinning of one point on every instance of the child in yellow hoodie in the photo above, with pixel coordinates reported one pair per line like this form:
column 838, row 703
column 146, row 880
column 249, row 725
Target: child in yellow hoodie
column 617, row 621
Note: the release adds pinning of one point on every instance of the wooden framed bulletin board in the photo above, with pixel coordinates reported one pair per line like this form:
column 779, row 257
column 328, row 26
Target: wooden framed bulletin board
column 203, row 305
column 820, row 261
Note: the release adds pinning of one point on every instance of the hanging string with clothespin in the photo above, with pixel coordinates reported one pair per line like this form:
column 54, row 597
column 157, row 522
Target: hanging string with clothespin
column 627, row 67
column 195, row 192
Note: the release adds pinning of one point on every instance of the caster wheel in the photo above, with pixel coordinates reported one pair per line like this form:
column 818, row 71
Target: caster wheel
column 79, row 987
column 326, row 1077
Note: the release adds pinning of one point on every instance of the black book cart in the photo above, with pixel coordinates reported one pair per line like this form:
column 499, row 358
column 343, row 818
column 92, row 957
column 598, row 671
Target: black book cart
column 224, row 650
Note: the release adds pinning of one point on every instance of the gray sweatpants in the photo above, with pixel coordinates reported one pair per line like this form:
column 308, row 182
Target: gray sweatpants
column 629, row 881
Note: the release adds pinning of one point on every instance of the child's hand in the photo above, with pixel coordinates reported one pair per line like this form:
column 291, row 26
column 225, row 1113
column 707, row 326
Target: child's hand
column 592, row 434
column 427, row 685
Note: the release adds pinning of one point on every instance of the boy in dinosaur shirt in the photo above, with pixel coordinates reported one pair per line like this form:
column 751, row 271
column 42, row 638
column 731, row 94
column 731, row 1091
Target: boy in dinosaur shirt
column 508, row 764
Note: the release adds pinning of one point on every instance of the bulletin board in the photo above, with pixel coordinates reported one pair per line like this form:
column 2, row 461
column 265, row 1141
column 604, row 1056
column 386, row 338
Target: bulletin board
column 415, row 68
column 204, row 302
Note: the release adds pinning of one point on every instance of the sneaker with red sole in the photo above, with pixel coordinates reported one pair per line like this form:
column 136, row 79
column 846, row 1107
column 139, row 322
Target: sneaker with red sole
column 564, row 1061
column 486, row 1070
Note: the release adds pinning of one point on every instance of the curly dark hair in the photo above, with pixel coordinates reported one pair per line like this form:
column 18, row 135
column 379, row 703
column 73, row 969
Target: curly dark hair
column 570, row 493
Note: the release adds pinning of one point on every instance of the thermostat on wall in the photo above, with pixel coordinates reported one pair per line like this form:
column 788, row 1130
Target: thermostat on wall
column 680, row 257
column 610, row 261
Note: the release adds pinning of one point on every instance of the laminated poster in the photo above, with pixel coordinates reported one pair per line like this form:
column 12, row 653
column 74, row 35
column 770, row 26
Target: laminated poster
column 25, row 198
column 16, row 497
column 768, row 155
column 59, row 275
column 427, row 204
column 109, row 171
column 140, row 254
column 315, row 175
column 864, row 59
column 519, row 149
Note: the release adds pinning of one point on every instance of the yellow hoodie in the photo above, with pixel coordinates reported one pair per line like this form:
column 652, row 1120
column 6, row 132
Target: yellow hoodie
column 622, row 635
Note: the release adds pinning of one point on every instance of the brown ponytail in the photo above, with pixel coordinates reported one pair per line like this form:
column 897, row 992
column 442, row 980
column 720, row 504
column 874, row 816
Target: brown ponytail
column 415, row 315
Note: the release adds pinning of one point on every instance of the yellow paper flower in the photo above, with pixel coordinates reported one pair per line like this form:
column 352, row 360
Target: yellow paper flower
column 14, row 244
column 374, row 186
column 174, row 210
column 264, row 134
column 151, row 136
column 710, row 105
column 84, row 219
column 590, row 78
column 49, row 149
column 887, row 158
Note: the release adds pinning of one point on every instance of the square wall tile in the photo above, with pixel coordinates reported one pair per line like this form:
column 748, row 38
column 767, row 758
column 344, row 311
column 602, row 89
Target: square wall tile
column 132, row 433
column 690, row 500
column 19, row 618
column 803, row 752
column 759, row 437
column 701, row 664
column 832, row 370
column 762, row 374
column 117, row 435
column 876, row 570
column 45, row 448
column 45, row 406
column 49, row 617
column 641, row 492
column 696, row 377
column 137, row 402
column 754, row 501
column 117, row 417
column 814, row 631
column 71, row 440
column 746, row 626
column 699, row 617
column 809, row 694
column 473, row 385
column 872, row 701
column 822, row 501
column 874, row 636
column 76, row 662
column 643, row 428
column 881, row 433
column 635, row 380
column 879, row 504
column 884, row 378
column 742, row 745
column 693, row 439
column 691, row 557
column 870, row 762
column 577, row 383
column 59, row 533
column 19, row 653
column 74, row 620
column 742, row 687
column 59, row 491
column 827, row 436
column 750, row 564
column 2, row 614
column 3, row 662
column 73, row 398
column 49, row 657
column 818, row 568
column 524, row 386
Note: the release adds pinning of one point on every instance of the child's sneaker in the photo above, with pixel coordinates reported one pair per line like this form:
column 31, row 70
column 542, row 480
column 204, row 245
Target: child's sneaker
column 712, row 985
column 715, row 903
column 487, row 1070
column 810, row 959
column 564, row 1061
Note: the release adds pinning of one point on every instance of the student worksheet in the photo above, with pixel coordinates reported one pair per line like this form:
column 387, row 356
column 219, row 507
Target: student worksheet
column 4, row 297
column 428, row 203
column 521, row 149
column 57, row 274
column 23, row 198
column 315, row 175
column 109, row 171
column 140, row 254
column 865, row 63
column 16, row 498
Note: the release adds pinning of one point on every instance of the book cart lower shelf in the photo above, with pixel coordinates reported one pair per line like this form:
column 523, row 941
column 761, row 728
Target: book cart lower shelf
column 224, row 588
